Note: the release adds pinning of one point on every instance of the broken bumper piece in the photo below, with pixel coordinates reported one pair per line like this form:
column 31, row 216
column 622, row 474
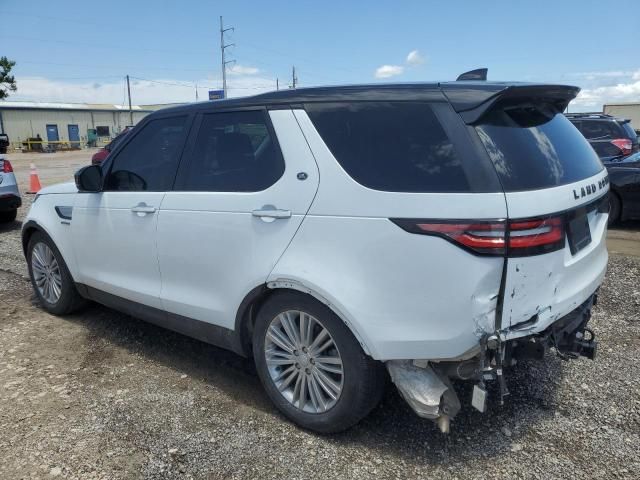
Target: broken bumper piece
column 426, row 385
column 427, row 391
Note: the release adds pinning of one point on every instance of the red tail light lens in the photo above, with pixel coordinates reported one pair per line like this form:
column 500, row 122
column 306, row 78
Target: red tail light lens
column 531, row 237
column 624, row 144
column 525, row 237
column 5, row 166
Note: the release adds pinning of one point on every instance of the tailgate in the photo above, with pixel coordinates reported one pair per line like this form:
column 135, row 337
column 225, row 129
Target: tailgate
column 540, row 289
column 556, row 192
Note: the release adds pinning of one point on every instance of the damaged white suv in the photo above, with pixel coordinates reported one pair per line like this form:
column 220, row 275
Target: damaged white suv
column 437, row 231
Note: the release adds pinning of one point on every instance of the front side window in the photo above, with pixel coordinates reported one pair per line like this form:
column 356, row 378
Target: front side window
column 233, row 152
column 390, row 146
column 149, row 161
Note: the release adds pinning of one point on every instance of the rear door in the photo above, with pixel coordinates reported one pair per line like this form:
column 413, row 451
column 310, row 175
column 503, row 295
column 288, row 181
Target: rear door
column 556, row 192
column 239, row 198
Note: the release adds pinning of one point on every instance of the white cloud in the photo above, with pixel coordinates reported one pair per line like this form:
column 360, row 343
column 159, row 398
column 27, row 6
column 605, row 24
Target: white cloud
column 415, row 58
column 386, row 71
column 157, row 90
column 242, row 70
column 595, row 98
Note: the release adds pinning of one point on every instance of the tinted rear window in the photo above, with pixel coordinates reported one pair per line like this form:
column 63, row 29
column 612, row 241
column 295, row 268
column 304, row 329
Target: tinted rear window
column 391, row 146
column 536, row 147
column 631, row 133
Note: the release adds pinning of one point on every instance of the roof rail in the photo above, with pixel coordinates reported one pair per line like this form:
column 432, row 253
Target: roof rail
column 589, row 115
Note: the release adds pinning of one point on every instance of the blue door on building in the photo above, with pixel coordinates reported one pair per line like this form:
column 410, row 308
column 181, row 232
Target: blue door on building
column 74, row 136
column 52, row 133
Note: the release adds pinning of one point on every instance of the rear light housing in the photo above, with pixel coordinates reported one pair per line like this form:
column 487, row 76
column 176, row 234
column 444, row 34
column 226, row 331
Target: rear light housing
column 5, row 166
column 516, row 238
column 624, row 144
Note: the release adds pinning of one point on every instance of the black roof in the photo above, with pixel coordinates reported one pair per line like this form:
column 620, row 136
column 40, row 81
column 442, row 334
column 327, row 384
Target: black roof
column 463, row 95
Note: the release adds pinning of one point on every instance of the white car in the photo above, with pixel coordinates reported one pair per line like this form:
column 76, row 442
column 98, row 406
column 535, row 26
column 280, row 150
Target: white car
column 10, row 199
column 442, row 231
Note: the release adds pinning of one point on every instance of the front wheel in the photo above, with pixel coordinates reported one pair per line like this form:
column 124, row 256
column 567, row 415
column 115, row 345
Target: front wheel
column 311, row 366
column 50, row 277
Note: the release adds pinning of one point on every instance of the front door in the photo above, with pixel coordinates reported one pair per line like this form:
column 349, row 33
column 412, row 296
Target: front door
column 235, row 207
column 74, row 136
column 114, row 231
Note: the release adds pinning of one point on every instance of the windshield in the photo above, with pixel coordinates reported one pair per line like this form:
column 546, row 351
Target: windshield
column 535, row 146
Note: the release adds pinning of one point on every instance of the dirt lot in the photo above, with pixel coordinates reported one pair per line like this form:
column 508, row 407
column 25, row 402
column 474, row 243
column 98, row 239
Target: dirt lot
column 101, row 395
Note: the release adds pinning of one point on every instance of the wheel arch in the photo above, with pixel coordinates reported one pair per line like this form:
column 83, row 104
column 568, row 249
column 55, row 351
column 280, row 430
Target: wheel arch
column 247, row 312
column 28, row 229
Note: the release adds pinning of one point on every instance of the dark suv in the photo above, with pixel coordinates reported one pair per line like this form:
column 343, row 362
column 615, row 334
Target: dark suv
column 609, row 136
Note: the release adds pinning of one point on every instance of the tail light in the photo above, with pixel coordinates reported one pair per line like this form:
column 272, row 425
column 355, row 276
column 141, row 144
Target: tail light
column 624, row 144
column 518, row 237
column 5, row 166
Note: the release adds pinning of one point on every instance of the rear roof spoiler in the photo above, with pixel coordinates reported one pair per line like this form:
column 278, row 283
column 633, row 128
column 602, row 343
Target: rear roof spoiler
column 472, row 100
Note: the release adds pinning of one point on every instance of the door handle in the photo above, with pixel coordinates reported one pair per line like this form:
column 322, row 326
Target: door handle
column 270, row 213
column 142, row 209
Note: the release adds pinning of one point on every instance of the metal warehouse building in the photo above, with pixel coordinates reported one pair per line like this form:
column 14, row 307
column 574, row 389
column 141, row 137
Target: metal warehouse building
column 76, row 123
column 625, row 110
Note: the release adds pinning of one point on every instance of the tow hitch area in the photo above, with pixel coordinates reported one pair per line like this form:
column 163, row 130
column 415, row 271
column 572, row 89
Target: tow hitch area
column 426, row 385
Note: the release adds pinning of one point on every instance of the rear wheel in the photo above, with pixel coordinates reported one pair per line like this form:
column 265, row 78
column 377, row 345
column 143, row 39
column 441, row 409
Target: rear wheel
column 615, row 208
column 50, row 277
column 9, row 216
column 311, row 366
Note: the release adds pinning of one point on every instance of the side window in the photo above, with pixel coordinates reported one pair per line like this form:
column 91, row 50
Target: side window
column 149, row 161
column 233, row 152
column 595, row 130
column 391, row 146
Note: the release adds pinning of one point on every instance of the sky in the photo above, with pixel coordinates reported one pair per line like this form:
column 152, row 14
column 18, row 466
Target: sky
column 79, row 51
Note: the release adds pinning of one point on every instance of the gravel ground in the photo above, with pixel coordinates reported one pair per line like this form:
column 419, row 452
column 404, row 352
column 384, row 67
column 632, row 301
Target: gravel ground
column 101, row 395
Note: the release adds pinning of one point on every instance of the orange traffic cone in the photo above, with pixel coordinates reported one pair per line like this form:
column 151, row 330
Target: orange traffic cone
column 34, row 181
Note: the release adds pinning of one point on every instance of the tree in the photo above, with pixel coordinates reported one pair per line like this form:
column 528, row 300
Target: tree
column 7, row 82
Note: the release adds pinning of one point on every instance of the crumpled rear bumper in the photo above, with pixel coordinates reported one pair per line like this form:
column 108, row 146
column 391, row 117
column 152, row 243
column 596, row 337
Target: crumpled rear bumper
column 426, row 385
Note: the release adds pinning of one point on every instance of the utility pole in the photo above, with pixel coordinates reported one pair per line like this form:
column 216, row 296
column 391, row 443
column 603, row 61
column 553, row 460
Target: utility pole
column 277, row 84
column 196, row 92
column 294, row 79
column 130, row 110
column 223, row 47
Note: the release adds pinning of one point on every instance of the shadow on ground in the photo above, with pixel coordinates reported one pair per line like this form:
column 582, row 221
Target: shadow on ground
column 392, row 428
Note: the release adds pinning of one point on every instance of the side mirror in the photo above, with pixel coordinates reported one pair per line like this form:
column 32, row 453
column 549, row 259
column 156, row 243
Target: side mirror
column 89, row 179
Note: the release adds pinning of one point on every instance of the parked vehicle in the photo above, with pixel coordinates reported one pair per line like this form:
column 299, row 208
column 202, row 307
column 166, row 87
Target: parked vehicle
column 440, row 230
column 624, row 175
column 4, row 143
column 10, row 199
column 104, row 152
column 609, row 136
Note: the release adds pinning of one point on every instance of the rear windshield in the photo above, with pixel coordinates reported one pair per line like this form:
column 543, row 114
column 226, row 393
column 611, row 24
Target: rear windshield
column 533, row 147
column 629, row 130
column 391, row 146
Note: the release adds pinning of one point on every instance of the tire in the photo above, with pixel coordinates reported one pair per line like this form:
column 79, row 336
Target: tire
column 8, row 216
column 362, row 379
column 68, row 300
column 615, row 208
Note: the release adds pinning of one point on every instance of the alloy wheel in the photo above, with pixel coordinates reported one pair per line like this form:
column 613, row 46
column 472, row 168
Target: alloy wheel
column 46, row 273
column 304, row 362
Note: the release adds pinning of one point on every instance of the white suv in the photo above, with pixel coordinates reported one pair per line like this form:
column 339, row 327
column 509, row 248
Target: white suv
column 442, row 231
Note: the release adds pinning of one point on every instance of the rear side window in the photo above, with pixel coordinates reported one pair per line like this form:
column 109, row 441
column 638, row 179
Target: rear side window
column 234, row 152
column 533, row 147
column 390, row 146
column 600, row 130
column 149, row 161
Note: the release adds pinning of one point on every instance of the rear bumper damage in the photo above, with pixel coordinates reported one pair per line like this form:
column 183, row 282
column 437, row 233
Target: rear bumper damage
column 426, row 385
